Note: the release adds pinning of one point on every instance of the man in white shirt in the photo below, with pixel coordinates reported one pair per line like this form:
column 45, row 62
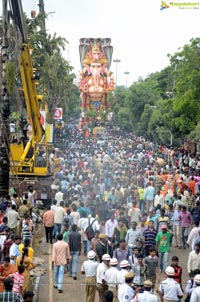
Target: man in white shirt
column 194, row 259
column 59, row 197
column 89, row 269
column 101, row 269
column 75, row 215
column 147, row 295
column 111, row 277
column 169, row 288
column 132, row 236
column 124, row 269
column 13, row 218
column 58, row 218
column 110, row 225
column 196, row 291
column 126, row 292
column 134, row 213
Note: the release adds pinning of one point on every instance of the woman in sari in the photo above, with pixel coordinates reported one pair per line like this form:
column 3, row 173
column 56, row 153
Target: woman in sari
column 28, row 264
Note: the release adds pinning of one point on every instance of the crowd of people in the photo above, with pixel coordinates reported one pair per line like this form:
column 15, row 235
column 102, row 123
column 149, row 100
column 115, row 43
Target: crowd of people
column 123, row 202
column 16, row 251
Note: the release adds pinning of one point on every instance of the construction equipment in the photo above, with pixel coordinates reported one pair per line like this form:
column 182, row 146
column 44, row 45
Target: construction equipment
column 29, row 158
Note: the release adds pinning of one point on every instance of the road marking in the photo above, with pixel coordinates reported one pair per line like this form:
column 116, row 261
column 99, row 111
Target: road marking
column 50, row 275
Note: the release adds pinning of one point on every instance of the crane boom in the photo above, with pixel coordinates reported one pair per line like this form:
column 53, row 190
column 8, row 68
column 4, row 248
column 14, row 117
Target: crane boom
column 31, row 97
column 29, row 159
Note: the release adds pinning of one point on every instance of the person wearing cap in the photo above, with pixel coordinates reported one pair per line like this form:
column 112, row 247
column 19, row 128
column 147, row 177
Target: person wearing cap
column 191, row 284
column 169, row 288
column 111, row 277
column 147, row 295
column 100, row 276
column 103, row 246
column 126, row 292
column 163, row 241
column 124, row 269
column 14, row 249
column 195, row 293
column 89, row 269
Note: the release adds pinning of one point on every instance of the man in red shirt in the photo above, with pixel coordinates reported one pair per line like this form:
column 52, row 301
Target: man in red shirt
column 177, row 270
column 48, row 220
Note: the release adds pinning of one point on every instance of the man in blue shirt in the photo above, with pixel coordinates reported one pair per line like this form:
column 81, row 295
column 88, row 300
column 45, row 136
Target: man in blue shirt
column 149, row 197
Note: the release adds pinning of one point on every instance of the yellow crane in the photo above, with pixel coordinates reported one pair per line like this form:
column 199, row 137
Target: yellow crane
column 29, row 161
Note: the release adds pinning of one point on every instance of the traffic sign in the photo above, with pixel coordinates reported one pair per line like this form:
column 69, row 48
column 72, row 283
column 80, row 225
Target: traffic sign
column 58, row 114
column 43, row 118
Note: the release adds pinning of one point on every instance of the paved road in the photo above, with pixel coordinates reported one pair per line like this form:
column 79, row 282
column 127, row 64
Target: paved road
column 74, row 290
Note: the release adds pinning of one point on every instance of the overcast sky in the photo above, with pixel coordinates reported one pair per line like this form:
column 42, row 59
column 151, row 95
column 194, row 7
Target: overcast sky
column 142, row 35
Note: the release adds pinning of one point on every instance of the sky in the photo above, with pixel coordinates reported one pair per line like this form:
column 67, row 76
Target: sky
column 141, row 34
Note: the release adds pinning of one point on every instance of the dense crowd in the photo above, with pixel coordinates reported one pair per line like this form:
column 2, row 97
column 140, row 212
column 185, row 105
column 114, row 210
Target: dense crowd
column 123, row 202
column 16, row 253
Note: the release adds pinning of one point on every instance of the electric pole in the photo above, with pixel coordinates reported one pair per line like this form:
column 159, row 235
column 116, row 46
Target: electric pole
column 42, row 11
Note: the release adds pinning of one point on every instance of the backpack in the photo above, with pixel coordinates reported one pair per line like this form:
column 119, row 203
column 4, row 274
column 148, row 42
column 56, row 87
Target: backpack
column 66, row 221
column 89, row 230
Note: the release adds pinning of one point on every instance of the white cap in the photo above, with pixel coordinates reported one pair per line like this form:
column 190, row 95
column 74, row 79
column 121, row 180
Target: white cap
column 124, row 263
column 106, row 257
column 170, row 271
column 113, row 261
column 197, row 278
column 91, row 254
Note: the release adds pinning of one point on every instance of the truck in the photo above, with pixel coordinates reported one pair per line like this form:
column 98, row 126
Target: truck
column 30, row 164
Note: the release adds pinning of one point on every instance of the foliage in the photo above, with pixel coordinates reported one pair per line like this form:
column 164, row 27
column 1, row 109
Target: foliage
column 10, row 77
column 166, row 104
column 56, row 77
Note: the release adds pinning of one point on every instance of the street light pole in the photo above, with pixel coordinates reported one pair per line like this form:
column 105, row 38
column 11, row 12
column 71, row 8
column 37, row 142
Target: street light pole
column 116, row 61
column 126, row 73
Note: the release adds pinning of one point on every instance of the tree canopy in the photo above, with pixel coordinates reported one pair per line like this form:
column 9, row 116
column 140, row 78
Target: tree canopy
column 166, row 104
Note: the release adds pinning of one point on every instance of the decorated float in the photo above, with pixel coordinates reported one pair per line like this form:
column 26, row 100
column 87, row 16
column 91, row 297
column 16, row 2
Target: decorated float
column 96, row 79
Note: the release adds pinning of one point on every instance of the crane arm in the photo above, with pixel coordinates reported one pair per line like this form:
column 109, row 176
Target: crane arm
column 31, row 97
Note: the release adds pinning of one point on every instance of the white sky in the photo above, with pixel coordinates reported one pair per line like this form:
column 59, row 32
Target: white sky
column 141, row 34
